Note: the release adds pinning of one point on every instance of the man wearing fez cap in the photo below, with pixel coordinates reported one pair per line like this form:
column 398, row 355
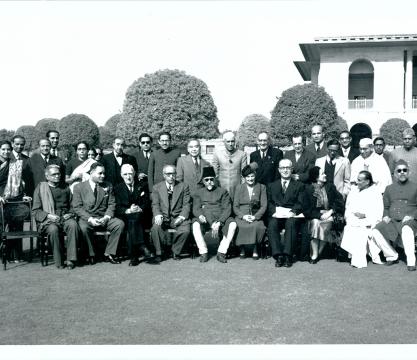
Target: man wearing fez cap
column 399, row 223
column 212, row 209
column 371, row 162
column 407, row 152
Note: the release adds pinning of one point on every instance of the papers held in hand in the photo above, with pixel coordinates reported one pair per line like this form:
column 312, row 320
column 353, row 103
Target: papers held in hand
column 284, row 213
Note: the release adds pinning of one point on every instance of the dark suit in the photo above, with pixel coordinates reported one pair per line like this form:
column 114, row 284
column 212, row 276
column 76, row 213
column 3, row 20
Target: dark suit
column 312, row 148
column 267, row 171
column 292, row 199
column 189, row 174
column 85, row 205
column 141, row 161
column 170, row 210
column 303, row 165
column 133, row 222
column 352, row 155
column 112, row 167
column 37, row 165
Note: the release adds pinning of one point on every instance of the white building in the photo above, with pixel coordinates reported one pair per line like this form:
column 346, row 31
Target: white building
column 371, row 78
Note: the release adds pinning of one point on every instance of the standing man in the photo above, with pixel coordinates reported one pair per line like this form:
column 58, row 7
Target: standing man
column 408, row 153
column 94, row 203
column 190, row 167
column 132, row 199
column 301, row 159
column 284, row 203
column 373, row 163
column 336, row 168
column 18, row 144
column 267, row 158
column 166, row 155
column 379, row 148
column 113, row 162
column 142, row 156
column 41, row 159
column 52, row 212
column 171, row 210
column 399, row 223
column 346, row 150
column 228, row 163
column 53, row 137
column 318, row 146
column 212, row 208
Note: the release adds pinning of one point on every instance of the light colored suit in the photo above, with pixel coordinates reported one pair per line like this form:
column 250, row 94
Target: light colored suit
column 341, row 173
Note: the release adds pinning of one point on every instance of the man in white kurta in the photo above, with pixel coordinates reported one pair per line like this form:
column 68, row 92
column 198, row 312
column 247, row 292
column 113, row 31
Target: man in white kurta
column 373, row 163
column 364, row 209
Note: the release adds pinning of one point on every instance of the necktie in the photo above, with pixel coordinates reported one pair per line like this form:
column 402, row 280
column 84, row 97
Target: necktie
column 53, row 152
column 196, row 165
column 46, row 159
column 318, row 148
column 17, row 157
column 284, row 187
column 95, row 192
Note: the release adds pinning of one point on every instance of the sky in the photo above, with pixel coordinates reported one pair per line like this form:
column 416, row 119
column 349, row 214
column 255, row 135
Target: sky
column 58, row 58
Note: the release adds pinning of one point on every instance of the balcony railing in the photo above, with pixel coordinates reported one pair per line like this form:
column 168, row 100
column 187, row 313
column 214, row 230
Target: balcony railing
column 361, row 104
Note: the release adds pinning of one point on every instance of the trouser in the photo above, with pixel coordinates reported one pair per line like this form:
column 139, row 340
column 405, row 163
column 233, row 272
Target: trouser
column 227, row 232
column 71, row 229
column 378, row 243
column 160, row 234
column 135, row 234
column 285, row 245
column 115, row 226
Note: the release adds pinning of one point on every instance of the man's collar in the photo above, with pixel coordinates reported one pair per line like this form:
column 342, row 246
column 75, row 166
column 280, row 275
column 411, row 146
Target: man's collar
column 116, row 156
column 92, row 183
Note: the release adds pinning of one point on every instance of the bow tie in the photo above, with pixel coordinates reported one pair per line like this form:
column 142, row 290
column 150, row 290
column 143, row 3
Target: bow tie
column 119, row 156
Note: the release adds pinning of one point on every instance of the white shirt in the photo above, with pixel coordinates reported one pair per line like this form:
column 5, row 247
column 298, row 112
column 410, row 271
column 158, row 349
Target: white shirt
column 345, row 151
column 146, row 154
column 118, row 158
column 92, row 184
column 16, row 155
column 297, row 156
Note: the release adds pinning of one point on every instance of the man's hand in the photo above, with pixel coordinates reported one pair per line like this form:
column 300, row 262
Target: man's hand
column 202, row 219
column 159, row 219
column 178, row 221
column 94, row 221
column 215, row 229
column 295, row 177
column 291, row 214
column 142, row 176
column 326, row 215
column 67, row 216
column 386, row 219
column 407, row 218
column 27, row 198
column 53, row 218
column 359, row 215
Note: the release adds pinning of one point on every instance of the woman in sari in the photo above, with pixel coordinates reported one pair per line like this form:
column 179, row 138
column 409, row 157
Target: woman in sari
column 78, row 168
column 12, row 190
column 249, row 205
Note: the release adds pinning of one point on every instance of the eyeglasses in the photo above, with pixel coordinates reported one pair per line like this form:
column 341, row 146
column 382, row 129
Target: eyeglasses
column 82, row 148
column 208, row 179
column 170, row 174
column 344, row 138
column 55, row 174
column 399, row 171
column 145, row 142
column 285, row 167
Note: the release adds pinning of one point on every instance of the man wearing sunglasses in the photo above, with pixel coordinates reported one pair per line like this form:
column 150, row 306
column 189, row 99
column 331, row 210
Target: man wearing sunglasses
column 143, row 154
column 212, row 209
column 399, row 224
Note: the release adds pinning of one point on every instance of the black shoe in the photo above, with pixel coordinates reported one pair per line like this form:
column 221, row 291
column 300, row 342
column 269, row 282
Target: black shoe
column 91, row 260
column 70, row 265
column 176, row 257
column 155, row 261
column 242, row 254
column 134, row 261
column 204, row 258
column 288, row 261
column 411, row 268
column 280, row 261
column 391, row 262
column 147, row 254
column 314, row 261
column 304, row 258
column 111, row 259
column 221, row 257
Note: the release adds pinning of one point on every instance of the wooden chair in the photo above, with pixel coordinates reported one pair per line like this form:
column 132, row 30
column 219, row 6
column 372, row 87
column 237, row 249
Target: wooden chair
column 13, row 235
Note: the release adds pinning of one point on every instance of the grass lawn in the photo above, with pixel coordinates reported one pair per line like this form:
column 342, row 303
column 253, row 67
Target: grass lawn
column 186, row 302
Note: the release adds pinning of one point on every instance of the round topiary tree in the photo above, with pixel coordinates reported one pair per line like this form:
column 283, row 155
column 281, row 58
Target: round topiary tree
column 168, row 100
column 106, row 137
column 31, row 135
column 46, row 124
column 392, row 130
column 74, row 128
column 250, row 127
column 112, row 123
column 6, row 134
column 298, row 109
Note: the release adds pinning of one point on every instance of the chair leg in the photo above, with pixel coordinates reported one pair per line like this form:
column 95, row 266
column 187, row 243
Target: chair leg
column 3, row 252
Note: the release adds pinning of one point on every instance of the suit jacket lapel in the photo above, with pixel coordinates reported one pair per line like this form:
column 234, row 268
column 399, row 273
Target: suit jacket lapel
column 175, row 195
column 338, row 164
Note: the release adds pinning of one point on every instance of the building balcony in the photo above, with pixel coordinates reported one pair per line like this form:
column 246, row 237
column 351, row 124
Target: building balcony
column 360, row 104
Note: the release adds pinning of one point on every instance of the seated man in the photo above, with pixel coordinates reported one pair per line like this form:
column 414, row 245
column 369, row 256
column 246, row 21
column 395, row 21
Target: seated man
column 132, row 198
column 286, row 195
column 51, row 209
column 400, row 214
column 212, row 208
column 171, row 210
column 95, row 206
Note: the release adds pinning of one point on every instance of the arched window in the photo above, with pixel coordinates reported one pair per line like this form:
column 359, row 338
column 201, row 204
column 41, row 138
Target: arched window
column 361, row 85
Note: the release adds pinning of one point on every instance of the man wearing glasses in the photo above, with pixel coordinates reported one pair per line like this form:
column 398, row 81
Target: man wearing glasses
column 171, row 210
column 212, row 209
column 228, row 163
column 407, row 152
column 346, row 150
column 143, row 155
column 379, row 148
column 373, row 163
column 165, row 155
column 399, row 223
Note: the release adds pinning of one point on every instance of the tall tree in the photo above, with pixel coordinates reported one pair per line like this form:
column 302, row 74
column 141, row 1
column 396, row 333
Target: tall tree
column 299, row 108
column 6, row 134
column 392, row 130
column 250, row 127
column 46, row 124
column 31, row 134
column 168, row 100
column 112, row 124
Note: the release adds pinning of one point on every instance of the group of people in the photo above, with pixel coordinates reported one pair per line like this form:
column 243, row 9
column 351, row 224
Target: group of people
column 327, row 192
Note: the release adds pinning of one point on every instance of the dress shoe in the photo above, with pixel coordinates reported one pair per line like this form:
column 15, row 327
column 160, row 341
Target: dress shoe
column 242, row 254
column 221, row 257
column 314, row 261
column 155, row 261
column 176, row 257
column 111, row 259
column 377, row 261
column 391, row 262
column 91, row 260
column 288, row 261
column 147, row 254
column 70, row 265
column 279, row 262
column 411, row 268
column 60, row 267
column 134, row 261
column 204, row 258
column 255, row 256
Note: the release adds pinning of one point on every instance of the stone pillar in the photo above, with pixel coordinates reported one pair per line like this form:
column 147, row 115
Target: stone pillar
column 409, row 81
